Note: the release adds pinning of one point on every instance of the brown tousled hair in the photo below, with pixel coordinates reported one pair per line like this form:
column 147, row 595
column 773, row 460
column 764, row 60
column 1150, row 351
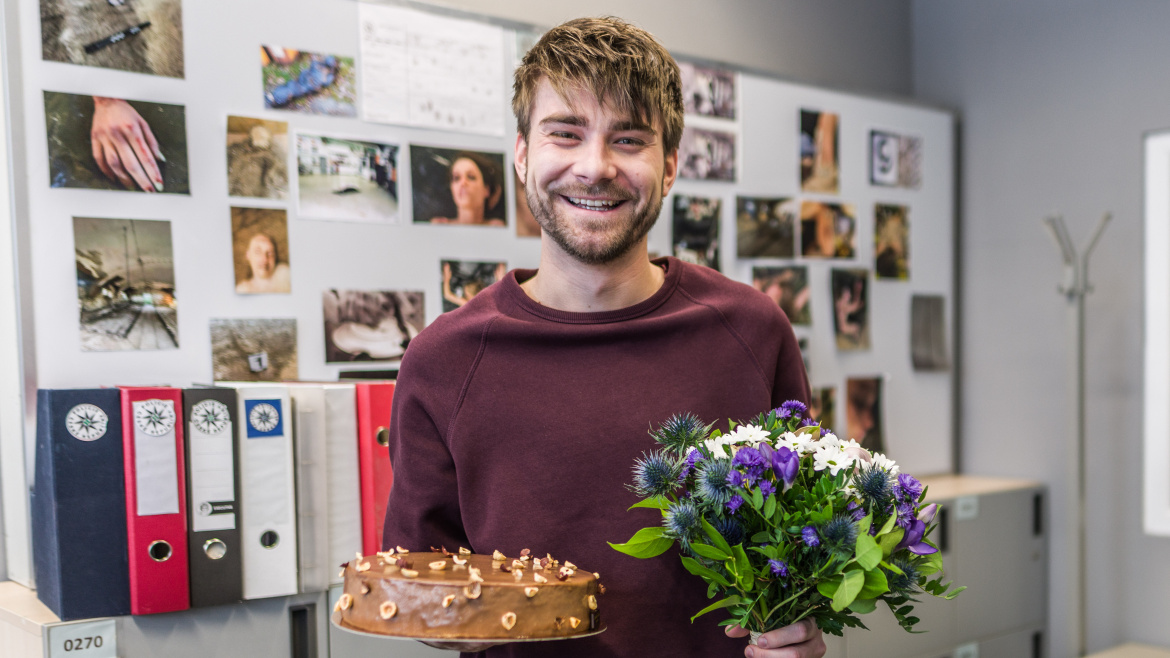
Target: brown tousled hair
column 622, row 65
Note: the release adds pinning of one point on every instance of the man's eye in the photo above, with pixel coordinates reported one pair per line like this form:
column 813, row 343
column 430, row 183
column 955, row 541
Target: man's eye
column 562, row 134
column 632, row 141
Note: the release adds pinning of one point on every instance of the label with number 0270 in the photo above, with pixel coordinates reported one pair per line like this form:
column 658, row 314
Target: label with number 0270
column 87, row 639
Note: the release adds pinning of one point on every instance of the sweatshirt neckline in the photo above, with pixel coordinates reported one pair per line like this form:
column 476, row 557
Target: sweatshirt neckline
column 673, row 270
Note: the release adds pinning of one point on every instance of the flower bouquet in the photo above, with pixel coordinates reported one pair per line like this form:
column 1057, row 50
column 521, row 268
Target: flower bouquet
column 784, row 521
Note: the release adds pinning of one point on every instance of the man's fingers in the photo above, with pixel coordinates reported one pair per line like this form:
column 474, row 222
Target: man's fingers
column 145, row 156
column 114, row 164
column 130, row 163
column 735, row 631
column 802, row 631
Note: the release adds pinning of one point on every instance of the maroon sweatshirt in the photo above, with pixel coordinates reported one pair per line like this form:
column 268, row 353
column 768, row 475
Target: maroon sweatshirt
column 515, row 426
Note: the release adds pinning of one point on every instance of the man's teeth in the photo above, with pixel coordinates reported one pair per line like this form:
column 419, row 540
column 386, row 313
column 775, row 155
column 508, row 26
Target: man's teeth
column 596, row 204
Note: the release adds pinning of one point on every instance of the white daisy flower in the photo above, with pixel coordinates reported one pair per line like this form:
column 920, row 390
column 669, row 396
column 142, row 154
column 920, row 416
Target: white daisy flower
column 830, row 457
column 881, row 461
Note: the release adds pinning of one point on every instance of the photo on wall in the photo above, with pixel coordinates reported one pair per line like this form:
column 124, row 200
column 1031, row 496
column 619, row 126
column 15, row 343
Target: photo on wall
column 706, row 154
column 141, row 36
column 707, row 91
column 260, row 251
column 891, row 237
column 895, row 160
column 125, row 284
column 695, row 230
column 851, row 309
column 257, row 158
column 765, row 227
column 788, row 287
column 370, row 325
column 253, row 349
column 101, row 143
column 819, row 164
column 828, row 230
column 526, row 224
column 863, row 413
column 312, row 83
column 462, row 280
column 346, row 179
column 822, row 407
column 928, row 338
column 454, row 186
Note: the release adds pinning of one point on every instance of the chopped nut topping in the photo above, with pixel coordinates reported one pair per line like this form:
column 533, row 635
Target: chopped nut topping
column 448, row 600
column 341, row 574
column 525, row 552
column 539, row 578
column 438, row 565
column 365, row 589
column 570, row 565
column 574, row 622
column 531, row 591
column 403, row 562
column 508, row 620
column 498, row 556
column 459, row 561
column 410, row 573
column 359, row 555
column 345, row 601
column 472, row 591
column 600, row 588
column 401, row 550
column 337, row 606
column 505, row 568
column 518, row 574
column 388, row 609
column 362, row 566
column 591, row 601
column 464, row 551
column 518, row 564
column 596, row 575
column 344, row 565
column 558, row 622
column 564, row 573
column 474, row 574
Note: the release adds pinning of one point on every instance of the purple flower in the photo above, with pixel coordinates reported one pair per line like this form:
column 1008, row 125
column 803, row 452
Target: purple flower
column 752, row 461
column 786, row 464
column 734, row 504
column 855, row 511
column 767, row 488
column 824, row 431
column 809, row 535
column 689, row 465
column 913, row 540
column 791, row 408
column 779, row 567
column 735, row 479
column 926, row 514
column 905, row 515
column 908, row 488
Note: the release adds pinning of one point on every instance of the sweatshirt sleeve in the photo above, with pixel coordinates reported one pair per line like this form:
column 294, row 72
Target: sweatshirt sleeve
column 423, row 509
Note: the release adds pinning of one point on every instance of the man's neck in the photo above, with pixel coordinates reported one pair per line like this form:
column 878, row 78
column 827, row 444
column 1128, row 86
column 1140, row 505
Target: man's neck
column 566, row 284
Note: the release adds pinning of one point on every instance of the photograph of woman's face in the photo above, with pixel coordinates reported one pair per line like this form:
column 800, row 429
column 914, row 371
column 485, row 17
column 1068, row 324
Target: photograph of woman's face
column 468, row 188
column 457, row 187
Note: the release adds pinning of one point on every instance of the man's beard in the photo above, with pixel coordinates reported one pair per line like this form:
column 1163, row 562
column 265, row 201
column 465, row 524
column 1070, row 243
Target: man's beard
column 615, row 245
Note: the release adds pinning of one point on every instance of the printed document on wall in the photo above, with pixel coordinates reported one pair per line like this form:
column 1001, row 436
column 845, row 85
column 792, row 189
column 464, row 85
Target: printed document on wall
column 430, row 71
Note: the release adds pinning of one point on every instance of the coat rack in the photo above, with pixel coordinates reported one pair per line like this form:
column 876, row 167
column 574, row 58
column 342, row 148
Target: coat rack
column 1074, row 288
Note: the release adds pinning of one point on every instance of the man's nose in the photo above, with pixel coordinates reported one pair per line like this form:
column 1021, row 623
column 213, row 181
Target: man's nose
column 595, row 162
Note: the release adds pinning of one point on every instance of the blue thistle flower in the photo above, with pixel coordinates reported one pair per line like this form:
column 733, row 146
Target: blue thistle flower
column 875, row 486
column 731, row 530
column 680, row 432
column 734, row 503
column 712, row 485
column 681, row 520
column 655, row 474
column 839, row 532
column 905, row 582
column 779, row 568
column 809, row 536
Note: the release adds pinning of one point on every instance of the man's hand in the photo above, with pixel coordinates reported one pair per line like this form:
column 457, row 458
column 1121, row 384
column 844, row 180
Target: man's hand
column 800, row 640
column 124, row 146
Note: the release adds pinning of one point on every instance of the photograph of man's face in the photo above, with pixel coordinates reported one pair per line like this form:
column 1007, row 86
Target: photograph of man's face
column 260, row 250
column 863, row 412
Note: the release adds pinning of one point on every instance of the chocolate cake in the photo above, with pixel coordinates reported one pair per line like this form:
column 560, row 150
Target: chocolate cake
column 443, row 596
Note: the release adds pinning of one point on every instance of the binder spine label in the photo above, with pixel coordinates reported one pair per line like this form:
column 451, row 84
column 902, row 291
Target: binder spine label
column 212, row 466
column 155, row 462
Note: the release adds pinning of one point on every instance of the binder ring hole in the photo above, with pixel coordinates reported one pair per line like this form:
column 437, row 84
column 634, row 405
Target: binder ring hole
column 269, row 539
column 215, row 548
column 160, row 551
column 383, row 437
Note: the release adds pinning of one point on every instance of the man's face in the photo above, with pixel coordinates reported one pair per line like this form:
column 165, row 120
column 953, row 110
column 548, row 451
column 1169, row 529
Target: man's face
column 594, row 178
column 261, row 255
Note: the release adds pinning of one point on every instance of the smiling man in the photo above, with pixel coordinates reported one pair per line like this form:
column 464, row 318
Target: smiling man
column 518, row 416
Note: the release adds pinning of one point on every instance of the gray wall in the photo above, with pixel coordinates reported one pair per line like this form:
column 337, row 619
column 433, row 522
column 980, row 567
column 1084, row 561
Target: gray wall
column 853, row 45
column 1054, row 97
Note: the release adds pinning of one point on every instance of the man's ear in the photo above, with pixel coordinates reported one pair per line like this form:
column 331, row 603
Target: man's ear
column 520, row 160
column 669, row 172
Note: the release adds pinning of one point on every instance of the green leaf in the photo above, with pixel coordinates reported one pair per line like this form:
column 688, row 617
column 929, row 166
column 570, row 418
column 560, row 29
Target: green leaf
column 822, row 515
column 868, row 551
column 709, row 552
column 930, row 564
column 761, row 538
column 889, row 525
column 954, row 592
column 729, row 601
column 875, row 585
column 864, row 524
column 653, row 502
column 889, row 541
column 716, row 538
column 892, row 567
column 851, row 584
column 644, row 550
column 692, row 565
column 863, row 606
column 757, row 499
column 743, row 567
column 770, row 506
column 828, row 586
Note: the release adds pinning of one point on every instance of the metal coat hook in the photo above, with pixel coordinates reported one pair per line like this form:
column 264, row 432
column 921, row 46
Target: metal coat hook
column 1074, row 288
